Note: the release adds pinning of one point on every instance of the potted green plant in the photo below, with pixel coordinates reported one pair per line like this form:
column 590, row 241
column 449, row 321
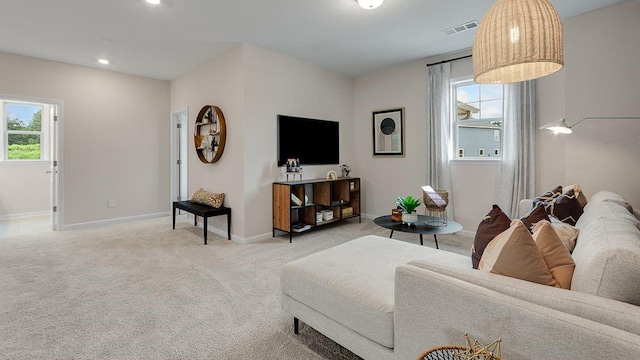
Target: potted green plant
column 409, row 204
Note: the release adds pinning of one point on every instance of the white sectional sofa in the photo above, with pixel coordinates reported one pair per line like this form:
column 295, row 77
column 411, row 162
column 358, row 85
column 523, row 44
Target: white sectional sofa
column 386, row 299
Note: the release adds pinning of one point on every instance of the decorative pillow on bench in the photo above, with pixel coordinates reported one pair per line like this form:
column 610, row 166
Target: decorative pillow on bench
column 208, row 198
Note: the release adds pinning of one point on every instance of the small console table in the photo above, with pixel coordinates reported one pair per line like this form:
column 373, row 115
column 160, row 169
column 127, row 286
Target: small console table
column 203, row 210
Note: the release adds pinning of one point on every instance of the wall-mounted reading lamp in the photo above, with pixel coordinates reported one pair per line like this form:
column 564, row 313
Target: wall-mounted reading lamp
column 561, row 127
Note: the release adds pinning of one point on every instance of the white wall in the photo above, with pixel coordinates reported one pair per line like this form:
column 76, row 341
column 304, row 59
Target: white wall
column 275, row 84
column 116, row 135
column 252, row 86
column 218, row 82
column 24, row 188
column 600, row 78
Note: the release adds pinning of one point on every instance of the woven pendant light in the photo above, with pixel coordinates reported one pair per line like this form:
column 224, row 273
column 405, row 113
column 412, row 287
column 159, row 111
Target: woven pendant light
column 517, row 40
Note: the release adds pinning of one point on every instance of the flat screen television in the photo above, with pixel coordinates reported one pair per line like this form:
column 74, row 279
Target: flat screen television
column 313, row 141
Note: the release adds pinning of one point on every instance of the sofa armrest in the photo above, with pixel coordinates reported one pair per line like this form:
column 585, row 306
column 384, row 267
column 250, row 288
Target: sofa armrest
column 524, row 207
column 596, row 308
column 433, row 309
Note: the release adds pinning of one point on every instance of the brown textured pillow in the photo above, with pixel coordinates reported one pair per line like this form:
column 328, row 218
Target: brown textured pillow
column 493, row 224
column 548, row 196
column 555, row 254
column 534, row 216
column 208, row 198
column 578, row 191
column 565, row 207
column 514, row 253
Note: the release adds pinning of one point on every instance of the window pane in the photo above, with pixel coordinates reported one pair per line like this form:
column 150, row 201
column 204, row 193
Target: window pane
column 476, row 140
column 491, row 109
column 491, row 92
column 24, row 117
column 468, row 93
column 23, row 147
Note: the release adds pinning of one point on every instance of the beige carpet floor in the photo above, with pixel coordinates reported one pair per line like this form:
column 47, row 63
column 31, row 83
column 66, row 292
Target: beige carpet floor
column 141, row 290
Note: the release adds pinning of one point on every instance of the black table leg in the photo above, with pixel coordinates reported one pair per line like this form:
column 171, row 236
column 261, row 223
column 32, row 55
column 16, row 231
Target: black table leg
column 436, row 240
column 229, row 225
column 205, row 230
column 174, row 217
column 195, row 220
column 421, row 240
column 390, row 235
column 296, row 323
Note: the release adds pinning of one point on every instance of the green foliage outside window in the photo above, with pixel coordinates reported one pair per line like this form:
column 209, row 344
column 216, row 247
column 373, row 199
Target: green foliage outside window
column 24, row 146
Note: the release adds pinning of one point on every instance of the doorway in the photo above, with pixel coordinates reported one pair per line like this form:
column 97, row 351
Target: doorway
column 30, row 186
column 179, row 153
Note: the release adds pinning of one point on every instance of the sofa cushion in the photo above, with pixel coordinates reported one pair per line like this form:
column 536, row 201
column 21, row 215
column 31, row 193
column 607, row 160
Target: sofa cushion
column 555, row 254
column 514, row 253
column 353, row 283
column 491, row 225
column 606, row 210
column 609, row 196
column 607, row 257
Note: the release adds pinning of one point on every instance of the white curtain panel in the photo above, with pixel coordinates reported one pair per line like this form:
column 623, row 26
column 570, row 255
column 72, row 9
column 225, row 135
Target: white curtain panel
column 439, row 130
column 517, row 172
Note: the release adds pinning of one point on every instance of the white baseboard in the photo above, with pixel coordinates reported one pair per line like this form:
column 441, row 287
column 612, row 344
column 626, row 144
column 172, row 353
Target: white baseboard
column 23, row 215
column 98, row 223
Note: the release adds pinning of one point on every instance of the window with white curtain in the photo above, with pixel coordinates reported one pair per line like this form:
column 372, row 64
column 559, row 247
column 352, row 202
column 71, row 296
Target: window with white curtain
column 24, row 131
column 477, row 118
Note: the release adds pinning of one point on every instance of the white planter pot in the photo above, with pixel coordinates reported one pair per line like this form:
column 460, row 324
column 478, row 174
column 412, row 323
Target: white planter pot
column 410, row 219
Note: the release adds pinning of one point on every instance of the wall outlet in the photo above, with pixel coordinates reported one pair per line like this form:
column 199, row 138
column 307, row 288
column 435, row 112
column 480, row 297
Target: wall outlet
column 111, row 203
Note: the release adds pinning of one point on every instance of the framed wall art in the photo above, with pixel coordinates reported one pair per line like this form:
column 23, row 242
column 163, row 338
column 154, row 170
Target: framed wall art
column 388, row 132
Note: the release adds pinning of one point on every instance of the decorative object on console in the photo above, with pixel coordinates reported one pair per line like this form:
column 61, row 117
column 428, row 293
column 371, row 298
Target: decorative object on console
column 396, row 214
column 409, row 204
column 518, row 40
column 210, row 134
column 561, row 127
column 435, row 202
column 331, row 175
column 346, row 169
column 388, row 132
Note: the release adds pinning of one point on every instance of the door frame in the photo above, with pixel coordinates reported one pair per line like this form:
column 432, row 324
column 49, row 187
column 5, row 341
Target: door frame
column 179, row 146
column 56, row 153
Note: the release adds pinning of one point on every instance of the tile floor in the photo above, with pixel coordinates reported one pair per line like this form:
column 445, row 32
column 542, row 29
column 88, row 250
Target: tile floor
column 27, row 225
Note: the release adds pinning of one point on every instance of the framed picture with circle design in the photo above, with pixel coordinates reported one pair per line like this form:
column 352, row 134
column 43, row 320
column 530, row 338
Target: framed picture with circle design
column 388, row 132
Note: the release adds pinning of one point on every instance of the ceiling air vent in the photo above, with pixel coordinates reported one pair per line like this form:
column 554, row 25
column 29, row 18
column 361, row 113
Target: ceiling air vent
column 462, row 27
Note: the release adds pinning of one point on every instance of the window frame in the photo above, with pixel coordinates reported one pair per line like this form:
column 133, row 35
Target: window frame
column 455, row 124
column 43, row 133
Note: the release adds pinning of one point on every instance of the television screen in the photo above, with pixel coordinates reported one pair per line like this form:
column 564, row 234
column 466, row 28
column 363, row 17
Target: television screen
column 314, row 142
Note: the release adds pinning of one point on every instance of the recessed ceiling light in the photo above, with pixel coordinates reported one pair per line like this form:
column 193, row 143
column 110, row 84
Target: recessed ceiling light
column 153, row 2
column 369, row 4
column 103, row 61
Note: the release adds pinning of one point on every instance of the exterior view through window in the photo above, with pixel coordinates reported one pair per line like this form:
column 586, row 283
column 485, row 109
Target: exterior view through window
column 24, row 131
column 478, row 112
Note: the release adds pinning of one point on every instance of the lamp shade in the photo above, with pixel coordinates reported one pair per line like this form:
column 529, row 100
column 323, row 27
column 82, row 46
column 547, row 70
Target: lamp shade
column 558, row 127
column 518, row 40
column 369, row 4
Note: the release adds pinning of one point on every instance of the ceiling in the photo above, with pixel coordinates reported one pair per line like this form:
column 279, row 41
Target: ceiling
column 168, row 40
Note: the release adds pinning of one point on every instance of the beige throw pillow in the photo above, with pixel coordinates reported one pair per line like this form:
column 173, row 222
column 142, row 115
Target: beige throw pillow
column 208, row 198
column 568, row 234
column 514, row 253
column 555, row 254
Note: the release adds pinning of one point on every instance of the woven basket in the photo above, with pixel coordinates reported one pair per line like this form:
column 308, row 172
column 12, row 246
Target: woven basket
column 437, row 204
column 448, row 352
